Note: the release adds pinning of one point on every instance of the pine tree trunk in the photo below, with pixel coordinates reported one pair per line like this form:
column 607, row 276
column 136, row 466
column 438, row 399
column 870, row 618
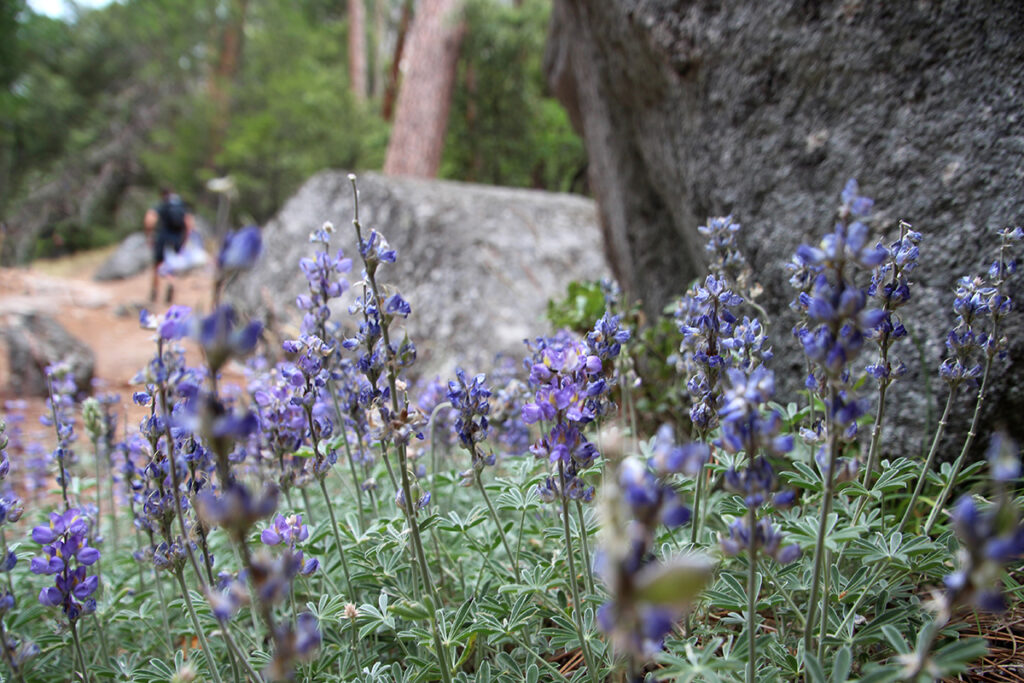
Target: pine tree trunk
column 357, row 48
column 424, row 98
column 228, row 61
column 387, row 107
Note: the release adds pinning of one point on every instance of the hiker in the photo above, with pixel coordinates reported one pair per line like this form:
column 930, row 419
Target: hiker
column 173, row 223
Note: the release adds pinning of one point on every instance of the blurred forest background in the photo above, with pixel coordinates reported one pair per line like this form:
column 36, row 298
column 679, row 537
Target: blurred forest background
column 101, row 108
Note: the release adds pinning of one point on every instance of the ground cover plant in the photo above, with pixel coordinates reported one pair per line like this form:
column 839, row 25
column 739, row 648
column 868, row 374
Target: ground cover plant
column 330, row 518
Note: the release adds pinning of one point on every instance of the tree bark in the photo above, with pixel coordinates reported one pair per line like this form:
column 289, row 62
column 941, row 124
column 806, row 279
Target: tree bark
column 228, row 60
column 424, row 98
column 357, row 48
column 387, row 107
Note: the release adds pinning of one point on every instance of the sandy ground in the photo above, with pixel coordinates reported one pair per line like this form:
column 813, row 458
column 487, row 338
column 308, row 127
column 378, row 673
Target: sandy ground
column 103, row 315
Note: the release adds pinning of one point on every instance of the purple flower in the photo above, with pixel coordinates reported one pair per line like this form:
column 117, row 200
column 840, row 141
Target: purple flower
column 222, row 338
column 765, row 538
column 667, row 457
column 176, row 323
column 240, row 250
column 65, row 544
column 289, row 530
column 470, row 400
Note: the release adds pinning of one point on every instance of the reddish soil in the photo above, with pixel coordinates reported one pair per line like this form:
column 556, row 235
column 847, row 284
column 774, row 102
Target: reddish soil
column 103, row 315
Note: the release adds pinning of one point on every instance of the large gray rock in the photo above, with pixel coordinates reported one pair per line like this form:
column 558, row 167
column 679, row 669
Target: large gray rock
column 34, row 341
column 691, row 109
column 132, row 256
column 476, row 263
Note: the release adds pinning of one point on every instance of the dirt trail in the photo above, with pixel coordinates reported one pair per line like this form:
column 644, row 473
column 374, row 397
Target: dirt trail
column 103, row 315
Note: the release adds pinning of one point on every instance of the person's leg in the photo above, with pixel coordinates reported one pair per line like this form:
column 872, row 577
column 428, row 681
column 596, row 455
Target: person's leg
column 158, row 258
column 176, row 242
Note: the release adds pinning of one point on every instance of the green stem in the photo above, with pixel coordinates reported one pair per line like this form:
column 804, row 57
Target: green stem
column 928, row 463
column 240, row 656
column 695, row 527
column 589, row 575
column 356, row 655
column 102, row 637
column 305, row 502
column 494, row 515
column 337, row 541
column 826, row 587
column 176, row 483
column 543, row 662
column 577, row 605
column 433, row 436
column 348, row 450
column 851, row 613
column 959, row 463
column 8, row 656
column 78, row 650
column 876, row 437
column 99, row 508
column 784, row 593
column 826, row 508
column 163, row 611
column 3, row 547
column 752, row 598
column 211, row 663
column 519, row 540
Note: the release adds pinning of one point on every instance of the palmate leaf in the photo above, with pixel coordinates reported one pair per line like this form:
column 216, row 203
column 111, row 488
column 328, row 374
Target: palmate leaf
column 685, row 663
column 953, row 658
column 676, row 582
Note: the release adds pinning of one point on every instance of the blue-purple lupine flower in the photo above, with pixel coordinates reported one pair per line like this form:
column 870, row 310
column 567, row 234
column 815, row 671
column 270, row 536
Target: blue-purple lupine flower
column 289, row 531
column 241, row 250
column 222, row 337
column 991, row 537
column 571, row 392
column 606, row 339
column 471, row 401
column 837, row 319
column 293, row 644
column 11, row 507
column 746, row 425
column 67, row 556
column 61, row 383
column 669, row 458
column 980, row 304
column 757, row 484
column 706, row 320
column 650, row 500
column 766, row 539
column 725, row 260
column 375, row 250
column 891, row 288
column 647, row 595
column 325, row 276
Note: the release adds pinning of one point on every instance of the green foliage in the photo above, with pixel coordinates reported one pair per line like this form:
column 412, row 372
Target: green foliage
column 294, row 114
column 583, row 304
column 503, row 129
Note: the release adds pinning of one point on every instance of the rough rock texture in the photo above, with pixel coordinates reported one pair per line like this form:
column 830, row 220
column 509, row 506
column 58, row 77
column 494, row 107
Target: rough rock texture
column 33, row 342
column 477, row 264
column 133, row 256
column 764, row 109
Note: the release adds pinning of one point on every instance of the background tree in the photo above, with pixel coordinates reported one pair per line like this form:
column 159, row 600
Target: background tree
column 424, row 97
column 357, row 68
column 504, row 129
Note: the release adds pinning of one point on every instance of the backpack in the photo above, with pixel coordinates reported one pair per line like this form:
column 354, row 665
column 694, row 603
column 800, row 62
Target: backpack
column 172, row 215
